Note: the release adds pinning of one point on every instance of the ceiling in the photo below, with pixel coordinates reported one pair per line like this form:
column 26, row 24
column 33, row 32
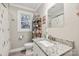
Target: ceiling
column 29, row 6
column 56, row 9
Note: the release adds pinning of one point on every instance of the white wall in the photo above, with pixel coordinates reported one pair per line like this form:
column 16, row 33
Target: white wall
column 14, row 34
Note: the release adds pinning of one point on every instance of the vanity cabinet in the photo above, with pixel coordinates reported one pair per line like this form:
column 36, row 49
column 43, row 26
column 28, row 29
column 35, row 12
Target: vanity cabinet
column 4, row 30
column 37, row 51
column 54, row 48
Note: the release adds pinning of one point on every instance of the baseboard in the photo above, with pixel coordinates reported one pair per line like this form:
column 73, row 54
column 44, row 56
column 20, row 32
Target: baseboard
column 17, row 49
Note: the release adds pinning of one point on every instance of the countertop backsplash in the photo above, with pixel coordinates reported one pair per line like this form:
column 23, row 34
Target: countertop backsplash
column 67, row 42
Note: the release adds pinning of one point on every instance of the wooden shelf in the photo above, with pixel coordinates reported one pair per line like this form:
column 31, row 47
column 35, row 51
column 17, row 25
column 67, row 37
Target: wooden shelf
column 37, row 26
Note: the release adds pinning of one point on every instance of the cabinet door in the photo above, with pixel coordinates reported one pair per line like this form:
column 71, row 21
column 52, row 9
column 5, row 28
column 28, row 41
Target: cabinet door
column 6, row 32
column 41, row 53
column 1, row 34
column 37, row 51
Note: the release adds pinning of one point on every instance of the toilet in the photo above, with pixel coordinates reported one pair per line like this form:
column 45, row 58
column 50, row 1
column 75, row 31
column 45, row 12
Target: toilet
column 28, row 47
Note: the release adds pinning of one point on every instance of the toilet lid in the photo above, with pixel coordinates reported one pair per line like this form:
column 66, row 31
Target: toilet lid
column 28, row 44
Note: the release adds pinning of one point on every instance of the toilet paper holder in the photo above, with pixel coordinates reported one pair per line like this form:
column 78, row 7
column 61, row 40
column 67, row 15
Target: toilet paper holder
column 20, row 37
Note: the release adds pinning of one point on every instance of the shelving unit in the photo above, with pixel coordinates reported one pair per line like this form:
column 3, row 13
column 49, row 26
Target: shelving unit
column 37, row 26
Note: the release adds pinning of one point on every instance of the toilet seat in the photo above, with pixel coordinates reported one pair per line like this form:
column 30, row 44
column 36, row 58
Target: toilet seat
column 28, row 45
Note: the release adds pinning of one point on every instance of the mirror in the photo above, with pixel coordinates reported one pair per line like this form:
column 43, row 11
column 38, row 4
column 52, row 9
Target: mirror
column 56, row 15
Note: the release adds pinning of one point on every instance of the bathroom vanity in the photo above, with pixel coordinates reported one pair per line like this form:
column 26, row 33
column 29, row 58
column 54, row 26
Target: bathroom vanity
column 53, row 46
column 43, row 47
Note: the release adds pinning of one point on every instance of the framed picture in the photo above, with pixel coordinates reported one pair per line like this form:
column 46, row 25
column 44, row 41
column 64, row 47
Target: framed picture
column 24, row 21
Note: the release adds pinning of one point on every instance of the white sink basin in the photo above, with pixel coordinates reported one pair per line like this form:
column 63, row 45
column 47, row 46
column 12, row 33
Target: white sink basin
column 46, row 43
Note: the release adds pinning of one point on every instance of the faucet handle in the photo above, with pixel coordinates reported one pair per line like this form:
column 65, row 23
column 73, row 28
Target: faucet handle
column 51, row 38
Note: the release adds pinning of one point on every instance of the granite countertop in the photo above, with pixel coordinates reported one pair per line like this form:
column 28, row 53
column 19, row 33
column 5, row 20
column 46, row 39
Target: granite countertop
column 55, row 49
